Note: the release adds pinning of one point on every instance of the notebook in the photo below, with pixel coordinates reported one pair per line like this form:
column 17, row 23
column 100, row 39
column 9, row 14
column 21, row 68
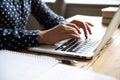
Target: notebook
column 82, row 48
column 22, row 66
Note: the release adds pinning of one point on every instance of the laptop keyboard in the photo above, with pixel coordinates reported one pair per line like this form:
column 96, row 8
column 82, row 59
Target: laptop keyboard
column 78, row 45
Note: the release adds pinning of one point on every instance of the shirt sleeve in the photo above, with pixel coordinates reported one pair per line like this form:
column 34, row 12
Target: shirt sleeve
column 15, row 40
column 13, row 36
column 45, row 15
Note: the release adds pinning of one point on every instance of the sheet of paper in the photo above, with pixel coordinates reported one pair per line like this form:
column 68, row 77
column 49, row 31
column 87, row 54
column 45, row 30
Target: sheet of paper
column 20, row 66
column 64, row 72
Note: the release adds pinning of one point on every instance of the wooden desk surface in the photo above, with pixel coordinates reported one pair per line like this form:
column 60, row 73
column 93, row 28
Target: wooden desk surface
column 108, row 61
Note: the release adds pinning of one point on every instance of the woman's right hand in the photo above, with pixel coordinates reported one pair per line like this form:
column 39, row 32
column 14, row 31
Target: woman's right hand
column 61, row 32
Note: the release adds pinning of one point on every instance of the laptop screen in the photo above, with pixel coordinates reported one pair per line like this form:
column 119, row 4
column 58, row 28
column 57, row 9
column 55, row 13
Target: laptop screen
column 111, row 29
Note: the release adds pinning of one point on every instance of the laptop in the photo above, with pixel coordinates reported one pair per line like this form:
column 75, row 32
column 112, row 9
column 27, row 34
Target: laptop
column 82, row 48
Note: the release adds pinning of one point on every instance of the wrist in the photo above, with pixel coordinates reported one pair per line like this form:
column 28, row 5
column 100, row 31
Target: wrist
column 41, row 39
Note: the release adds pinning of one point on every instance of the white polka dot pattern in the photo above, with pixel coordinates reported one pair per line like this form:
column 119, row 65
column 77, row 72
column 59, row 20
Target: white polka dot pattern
column 13, row 19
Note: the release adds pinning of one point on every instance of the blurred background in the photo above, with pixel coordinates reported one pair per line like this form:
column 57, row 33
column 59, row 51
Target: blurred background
column 68, row 8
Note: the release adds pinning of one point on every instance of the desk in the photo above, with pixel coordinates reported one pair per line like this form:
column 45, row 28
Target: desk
column 108, row 61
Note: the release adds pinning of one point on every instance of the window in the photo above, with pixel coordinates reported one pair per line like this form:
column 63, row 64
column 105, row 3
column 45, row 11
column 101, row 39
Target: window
column 51, row 1
column 99, row 2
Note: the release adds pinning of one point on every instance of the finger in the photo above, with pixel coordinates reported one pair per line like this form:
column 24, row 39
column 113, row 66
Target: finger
column 78, row 23
column 89, row 24
column 74, row 26
column 71, row 30
column 73, row 36
column 85, row 31
column 70, row 36
column 88, row 28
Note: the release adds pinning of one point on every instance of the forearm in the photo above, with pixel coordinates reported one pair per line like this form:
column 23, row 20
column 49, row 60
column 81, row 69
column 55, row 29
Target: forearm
column 16, row 39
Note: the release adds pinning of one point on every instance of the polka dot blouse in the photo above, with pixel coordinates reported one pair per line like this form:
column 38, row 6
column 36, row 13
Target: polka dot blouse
column 14, row 15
